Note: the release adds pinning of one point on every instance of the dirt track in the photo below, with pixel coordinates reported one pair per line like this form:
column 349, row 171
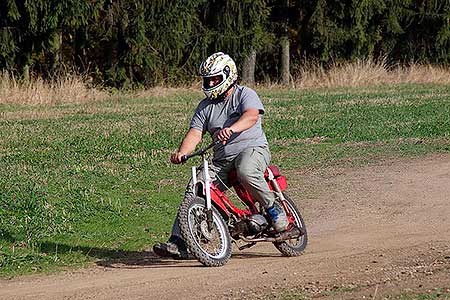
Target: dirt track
column 373, row 231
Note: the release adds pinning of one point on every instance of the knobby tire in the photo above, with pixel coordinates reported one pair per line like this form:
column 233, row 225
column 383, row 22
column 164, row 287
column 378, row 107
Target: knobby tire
column 285, row 247
column 187, row 211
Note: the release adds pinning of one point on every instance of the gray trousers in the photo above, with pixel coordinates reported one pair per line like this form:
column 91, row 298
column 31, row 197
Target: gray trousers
column 250, row 165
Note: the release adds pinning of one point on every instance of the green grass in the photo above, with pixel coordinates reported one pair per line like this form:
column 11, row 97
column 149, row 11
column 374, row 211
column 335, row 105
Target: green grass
column 93, row 181
column 429, row 295
column 290, row 295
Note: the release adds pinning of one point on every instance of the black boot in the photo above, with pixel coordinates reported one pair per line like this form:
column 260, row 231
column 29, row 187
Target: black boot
column 174, row 248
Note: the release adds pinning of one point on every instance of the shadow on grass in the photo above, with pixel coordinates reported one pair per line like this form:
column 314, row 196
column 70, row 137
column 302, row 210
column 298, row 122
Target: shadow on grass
column 123, row 259
column 6, row 236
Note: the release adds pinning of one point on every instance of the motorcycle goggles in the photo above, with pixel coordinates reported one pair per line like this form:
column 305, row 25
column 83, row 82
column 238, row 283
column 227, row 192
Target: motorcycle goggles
column 211, row 82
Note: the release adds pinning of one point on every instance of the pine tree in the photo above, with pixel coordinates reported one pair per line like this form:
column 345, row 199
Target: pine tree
column 237, row 28
column 177, row 41
column 138, row 42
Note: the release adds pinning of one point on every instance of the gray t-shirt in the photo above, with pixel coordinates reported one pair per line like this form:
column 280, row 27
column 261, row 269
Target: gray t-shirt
column 213, row 115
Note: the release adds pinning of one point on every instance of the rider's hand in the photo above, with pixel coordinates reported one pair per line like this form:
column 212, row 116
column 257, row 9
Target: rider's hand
column 176, row 158
column 225, row 134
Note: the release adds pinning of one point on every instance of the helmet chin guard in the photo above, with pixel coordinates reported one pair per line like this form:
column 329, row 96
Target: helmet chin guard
column 219, row 74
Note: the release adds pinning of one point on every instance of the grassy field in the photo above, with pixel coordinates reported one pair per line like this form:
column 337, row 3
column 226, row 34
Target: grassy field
column 81, row 182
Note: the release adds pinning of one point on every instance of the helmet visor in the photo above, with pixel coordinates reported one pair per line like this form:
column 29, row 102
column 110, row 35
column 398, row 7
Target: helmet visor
column 210, row 82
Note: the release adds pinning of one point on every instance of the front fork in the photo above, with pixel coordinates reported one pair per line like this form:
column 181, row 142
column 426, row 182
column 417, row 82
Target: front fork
column 207, row 181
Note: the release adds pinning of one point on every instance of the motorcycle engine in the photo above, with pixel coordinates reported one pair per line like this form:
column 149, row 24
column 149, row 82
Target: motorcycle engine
column 250, row 226
column 257, row 223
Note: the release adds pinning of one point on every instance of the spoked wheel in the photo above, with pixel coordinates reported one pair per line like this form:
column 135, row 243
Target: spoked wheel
column 211, row 247
column 295, row 246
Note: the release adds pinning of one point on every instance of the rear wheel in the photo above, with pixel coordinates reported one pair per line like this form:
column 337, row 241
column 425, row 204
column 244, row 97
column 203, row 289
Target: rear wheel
column 211, row 247
column 294, row 247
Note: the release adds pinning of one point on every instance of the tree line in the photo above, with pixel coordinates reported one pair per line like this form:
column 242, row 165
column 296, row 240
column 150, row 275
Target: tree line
column 125, row 43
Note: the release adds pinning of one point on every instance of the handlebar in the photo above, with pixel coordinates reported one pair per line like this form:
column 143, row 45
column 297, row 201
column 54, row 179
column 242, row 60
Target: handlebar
column 201, row 151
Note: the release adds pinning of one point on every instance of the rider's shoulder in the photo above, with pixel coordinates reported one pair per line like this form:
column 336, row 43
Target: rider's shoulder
column 245, row 91
column 205, row 100
column 203, row 103
column 244, row 88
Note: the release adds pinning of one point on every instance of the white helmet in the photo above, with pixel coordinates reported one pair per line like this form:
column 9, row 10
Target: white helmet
column 219, row 74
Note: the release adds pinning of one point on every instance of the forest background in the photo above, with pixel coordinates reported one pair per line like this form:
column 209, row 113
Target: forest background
column 138, row 43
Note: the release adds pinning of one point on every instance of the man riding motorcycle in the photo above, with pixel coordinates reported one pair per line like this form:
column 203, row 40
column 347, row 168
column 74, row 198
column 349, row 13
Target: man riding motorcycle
column 232, row 114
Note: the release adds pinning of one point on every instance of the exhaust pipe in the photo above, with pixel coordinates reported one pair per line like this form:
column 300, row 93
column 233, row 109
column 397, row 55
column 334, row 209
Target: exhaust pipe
column 286, row 235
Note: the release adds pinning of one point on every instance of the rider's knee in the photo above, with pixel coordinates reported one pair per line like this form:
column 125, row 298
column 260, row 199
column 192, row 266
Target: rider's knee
column 246, row 173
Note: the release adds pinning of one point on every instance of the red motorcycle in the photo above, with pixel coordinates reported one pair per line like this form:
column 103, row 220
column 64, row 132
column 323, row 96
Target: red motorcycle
column 210, row 222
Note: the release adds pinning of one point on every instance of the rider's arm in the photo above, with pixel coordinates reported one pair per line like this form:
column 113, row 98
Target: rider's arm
column 190, row 141
column 246, row 121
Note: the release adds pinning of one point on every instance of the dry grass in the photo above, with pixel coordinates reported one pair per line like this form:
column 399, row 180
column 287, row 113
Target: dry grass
column 166, row 91
column 75, row 89
column 67, row 89
column 367, row 72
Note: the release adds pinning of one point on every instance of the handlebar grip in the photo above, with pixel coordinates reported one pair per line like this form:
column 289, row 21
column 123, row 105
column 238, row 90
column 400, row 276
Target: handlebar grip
column 184, row 158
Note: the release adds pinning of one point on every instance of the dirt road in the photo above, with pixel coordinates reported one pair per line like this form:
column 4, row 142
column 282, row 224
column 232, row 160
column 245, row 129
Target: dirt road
column 374, row 231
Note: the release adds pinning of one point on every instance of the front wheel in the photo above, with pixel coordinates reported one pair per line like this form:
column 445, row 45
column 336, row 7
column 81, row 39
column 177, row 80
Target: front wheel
column 293, row 247
column 211, row 247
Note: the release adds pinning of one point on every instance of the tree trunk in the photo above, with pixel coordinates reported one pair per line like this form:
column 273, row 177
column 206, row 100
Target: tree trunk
column 56, row 66
column 285, row 73
column 80, row 49
column 248, row 68
column 122, row 63
column 26, row 74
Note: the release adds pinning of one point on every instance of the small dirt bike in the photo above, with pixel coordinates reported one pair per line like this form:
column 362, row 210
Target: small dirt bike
column 209, row 221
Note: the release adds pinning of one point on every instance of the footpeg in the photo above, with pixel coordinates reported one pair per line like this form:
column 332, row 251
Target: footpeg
column 247, row 246
column 290, row 234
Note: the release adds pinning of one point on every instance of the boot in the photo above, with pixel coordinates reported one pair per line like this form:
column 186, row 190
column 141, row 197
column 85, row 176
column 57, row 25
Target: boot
column 174, row 248
column 278, row 217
